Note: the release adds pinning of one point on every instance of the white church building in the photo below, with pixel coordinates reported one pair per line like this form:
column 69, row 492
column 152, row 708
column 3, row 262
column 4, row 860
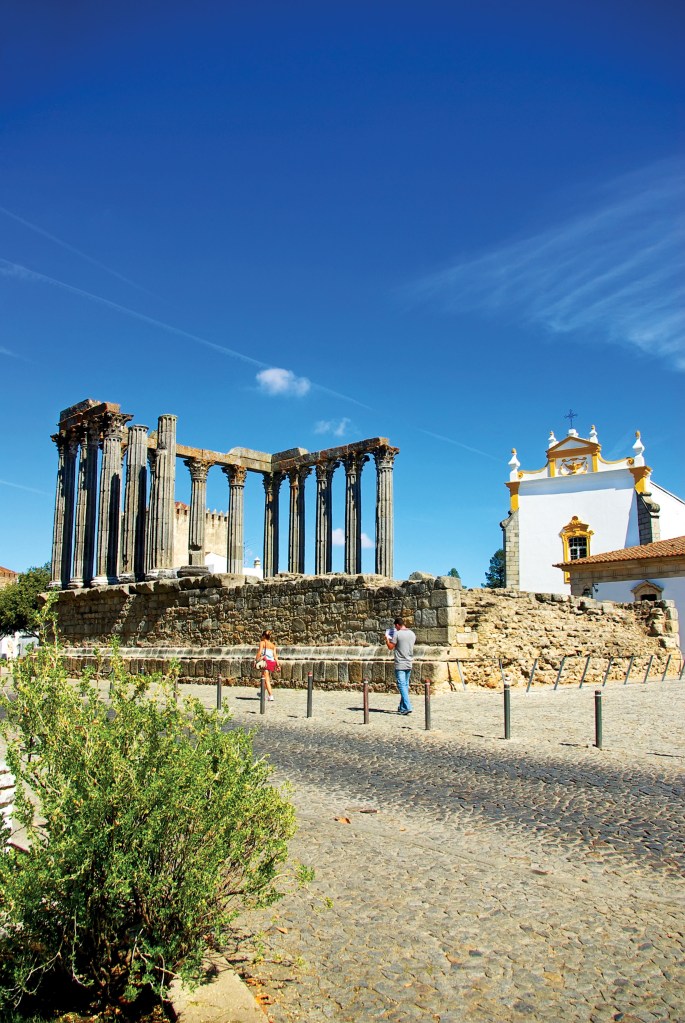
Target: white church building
column 580, row 504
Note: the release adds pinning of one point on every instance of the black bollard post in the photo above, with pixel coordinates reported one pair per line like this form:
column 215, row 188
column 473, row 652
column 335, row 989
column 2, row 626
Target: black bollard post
column 501, row 670
column 427, row 695
column 262, row 697
column 507, row 711
column 630, row 665
column 219, row 688
column 310, row 692
column 366, row 703
column 585, row 669
column 598, row 718
column 532, row 674
column 668, row 661
column 559, row 673
column 649, row 665
column 606, row 673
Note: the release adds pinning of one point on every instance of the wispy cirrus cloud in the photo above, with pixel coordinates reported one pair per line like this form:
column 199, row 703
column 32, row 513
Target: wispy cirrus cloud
column 283, row 383
column 339, row 539
column 614, row 274
column 337, row 427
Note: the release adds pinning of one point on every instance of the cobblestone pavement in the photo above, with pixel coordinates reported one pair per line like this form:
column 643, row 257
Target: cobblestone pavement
column 537, row 878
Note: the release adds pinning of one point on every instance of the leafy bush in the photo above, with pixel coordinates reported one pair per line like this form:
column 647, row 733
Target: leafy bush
column 151, row 827
column 19, row 602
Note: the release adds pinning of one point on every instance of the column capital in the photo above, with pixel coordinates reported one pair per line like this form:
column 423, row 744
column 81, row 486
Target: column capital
column 303, row 472
column 198, row 468
column 113, row 424
column 384, row 456
column 235, row 474
column 325, row 468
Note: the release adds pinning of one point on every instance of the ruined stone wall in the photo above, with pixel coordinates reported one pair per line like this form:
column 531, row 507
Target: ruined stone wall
column 333, row 625
column 519, row 627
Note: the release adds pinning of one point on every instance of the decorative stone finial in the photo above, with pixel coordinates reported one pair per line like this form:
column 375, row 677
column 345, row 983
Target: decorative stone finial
column 513, row 465
column 593, row 435
column 638, row 448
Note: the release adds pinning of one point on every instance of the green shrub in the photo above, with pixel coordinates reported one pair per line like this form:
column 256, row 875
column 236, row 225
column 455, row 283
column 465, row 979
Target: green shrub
column 151, row 827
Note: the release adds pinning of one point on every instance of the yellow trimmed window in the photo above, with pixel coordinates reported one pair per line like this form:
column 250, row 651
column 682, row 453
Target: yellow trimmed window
column 575, row 538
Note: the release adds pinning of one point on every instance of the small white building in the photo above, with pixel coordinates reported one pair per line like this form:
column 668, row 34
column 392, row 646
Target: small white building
column 578, row 505
column 652, row 571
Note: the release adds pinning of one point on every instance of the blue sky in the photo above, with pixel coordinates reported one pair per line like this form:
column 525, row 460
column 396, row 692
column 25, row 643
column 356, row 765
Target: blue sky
column 442, row 223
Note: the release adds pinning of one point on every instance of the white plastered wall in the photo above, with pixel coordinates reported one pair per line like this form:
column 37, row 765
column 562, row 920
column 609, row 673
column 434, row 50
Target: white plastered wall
column 605, row 501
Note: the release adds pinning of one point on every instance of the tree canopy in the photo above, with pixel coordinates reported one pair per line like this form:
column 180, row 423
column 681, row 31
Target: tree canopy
column 19, row 601
column 454, row 573
column 495, row 577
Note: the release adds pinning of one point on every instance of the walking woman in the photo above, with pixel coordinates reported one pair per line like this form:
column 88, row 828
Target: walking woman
column 267, row 660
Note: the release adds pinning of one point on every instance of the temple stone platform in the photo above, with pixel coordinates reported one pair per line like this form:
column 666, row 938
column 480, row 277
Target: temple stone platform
column 334, row 625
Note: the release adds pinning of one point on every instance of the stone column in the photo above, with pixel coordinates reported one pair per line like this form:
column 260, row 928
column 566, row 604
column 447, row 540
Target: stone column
column 86, row 506
column 323, row 551
column 301, row 517
column 294, row 521
column 67, row 448
column 353, row 463
column 235, row 474
column 384, row 458
column 160, row 538
column 272, row 485
column 198, row 517
column 109, row 505
column 135, row 507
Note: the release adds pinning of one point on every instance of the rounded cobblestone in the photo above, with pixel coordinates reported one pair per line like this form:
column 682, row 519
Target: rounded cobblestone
column 533, row 879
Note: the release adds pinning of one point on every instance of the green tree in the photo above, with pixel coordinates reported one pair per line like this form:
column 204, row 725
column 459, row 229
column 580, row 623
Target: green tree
column 151, row 826
column 19, row 601
column 454, row 573
column 495, row 576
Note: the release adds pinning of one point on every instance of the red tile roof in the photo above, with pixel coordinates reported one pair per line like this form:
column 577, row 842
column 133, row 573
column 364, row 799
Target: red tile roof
column 674, row 548
column 7, row 571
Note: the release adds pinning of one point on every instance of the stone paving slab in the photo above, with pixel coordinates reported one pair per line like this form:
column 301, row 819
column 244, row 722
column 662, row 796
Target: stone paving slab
column 533, row 879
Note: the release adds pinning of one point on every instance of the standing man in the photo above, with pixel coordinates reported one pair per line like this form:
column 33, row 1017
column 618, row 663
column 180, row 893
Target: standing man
column 401, row 640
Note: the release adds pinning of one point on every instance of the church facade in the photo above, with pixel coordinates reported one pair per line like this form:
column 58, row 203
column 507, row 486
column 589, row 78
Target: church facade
column 580, row 504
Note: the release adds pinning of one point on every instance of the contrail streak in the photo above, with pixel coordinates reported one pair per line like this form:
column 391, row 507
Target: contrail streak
column 74, row 250
column 20, row 486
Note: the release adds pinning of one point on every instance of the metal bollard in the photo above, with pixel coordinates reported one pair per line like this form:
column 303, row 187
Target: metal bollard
column 501, row 669
column 219, row 691
column 668, row 661
column 366, row 703
column 310, row 692
column 507, row 711
column 598, row 718
column 532, row 674
column 585, row 670
column 262, row 697
column 630, row 664
column 649, row 665
column 559, row 673
column 606, row 673
column 427, row 698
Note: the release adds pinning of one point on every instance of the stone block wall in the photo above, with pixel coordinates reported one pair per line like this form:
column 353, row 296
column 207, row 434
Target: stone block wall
column 333, row 625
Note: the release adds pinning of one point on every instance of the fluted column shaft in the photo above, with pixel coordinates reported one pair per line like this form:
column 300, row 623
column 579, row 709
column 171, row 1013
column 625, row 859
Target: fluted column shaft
column 272, row 485
column 198, row 510
column 353, row 516
column 384, row 459
column 301, row 516
column 135, row 506
column 161, row 515
column 323, row 551
column 294, row 521
column 236, row 519
column 109, row 508
column 63, row 526
column 86, row 506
